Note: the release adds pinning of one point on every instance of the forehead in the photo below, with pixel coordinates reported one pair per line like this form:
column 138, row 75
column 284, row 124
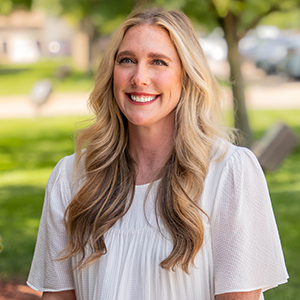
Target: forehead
column 146, row 38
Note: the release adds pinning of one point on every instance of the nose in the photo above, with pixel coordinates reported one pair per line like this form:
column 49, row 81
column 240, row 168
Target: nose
column 141, row 76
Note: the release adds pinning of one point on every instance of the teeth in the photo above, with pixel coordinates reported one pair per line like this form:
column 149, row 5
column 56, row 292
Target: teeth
column 142, row 99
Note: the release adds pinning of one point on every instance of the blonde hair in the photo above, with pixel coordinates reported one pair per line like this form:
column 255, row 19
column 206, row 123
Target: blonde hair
column 109, row 178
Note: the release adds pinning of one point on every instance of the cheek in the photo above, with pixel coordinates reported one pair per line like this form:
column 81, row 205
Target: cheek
column 176, row 88
column 172, row 82
column 121, row 78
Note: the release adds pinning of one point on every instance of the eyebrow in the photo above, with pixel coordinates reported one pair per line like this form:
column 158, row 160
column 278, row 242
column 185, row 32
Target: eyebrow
column 150, row 55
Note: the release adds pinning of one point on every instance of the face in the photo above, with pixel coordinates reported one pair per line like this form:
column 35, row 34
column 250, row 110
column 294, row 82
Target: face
column 147, row 77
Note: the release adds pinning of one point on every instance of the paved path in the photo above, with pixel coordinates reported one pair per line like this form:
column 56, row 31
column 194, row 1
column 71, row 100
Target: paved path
column 261, row 96
column 57, row 104
column 274, row 96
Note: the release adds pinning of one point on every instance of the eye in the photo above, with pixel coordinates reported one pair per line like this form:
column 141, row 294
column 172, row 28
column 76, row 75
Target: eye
column 159, row 62
column 125, row 60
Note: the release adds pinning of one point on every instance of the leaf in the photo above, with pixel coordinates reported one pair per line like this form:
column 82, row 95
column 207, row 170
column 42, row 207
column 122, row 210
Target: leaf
column 5, row 7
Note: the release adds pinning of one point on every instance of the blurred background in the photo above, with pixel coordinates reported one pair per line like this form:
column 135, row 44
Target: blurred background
column 49, row 53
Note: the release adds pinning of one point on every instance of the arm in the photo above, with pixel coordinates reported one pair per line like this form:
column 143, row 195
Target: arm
column 246, row 247
column 253, row 295
column 65, row 295
column 52, row 237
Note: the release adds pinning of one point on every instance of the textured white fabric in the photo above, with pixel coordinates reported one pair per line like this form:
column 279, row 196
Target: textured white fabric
column 241, row 252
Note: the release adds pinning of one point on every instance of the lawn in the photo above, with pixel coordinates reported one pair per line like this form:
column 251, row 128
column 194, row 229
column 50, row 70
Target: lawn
column 18, row 79
column 29, row 149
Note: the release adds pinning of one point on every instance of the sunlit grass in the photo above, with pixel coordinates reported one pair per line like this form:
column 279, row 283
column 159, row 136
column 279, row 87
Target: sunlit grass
column 29, row 148
column 18, row 79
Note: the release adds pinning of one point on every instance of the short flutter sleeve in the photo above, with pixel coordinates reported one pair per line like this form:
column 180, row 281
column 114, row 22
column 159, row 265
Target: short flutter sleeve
column 46, row 273
column 246, row 246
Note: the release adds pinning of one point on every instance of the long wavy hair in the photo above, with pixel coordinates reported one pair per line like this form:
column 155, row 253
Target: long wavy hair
column 108, row 174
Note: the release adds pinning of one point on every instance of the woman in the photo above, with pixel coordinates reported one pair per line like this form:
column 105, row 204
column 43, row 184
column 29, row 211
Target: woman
column 161, row 206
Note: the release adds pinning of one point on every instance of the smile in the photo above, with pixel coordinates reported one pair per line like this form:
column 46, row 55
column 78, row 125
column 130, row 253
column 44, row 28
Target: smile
column 141, row 99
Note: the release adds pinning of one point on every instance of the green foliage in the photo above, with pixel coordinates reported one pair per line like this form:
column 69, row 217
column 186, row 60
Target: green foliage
column 22, row 3
column 200, row 12
column 283, row 20
column 99, row 12
column 249, row 12
column 5, row 7
column 222, row 7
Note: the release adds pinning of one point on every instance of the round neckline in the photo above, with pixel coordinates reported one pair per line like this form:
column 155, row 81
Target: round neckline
column 146, row 184
column 142, row 185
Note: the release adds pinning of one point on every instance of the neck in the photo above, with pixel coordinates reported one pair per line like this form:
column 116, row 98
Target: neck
column 149, row 148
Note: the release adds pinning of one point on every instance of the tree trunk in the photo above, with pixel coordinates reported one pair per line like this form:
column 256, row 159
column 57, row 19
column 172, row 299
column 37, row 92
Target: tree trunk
column 241, row 121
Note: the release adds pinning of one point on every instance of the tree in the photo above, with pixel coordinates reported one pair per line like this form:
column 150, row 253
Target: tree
column 236, row 18
column 6, row 6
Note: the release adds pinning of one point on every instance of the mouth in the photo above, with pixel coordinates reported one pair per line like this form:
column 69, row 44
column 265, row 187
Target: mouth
column 142, row 98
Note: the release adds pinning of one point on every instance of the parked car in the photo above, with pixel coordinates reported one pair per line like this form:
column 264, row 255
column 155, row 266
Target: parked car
column 276, row 55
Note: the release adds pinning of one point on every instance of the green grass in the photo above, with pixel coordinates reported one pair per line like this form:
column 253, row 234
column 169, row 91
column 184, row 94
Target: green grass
column 29, row 149
column 18, row 79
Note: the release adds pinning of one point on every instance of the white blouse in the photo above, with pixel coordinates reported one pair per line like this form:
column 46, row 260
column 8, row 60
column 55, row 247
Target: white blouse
column 241, row 250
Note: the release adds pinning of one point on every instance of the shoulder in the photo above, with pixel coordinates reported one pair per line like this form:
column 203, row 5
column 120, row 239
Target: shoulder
column 64, row 168
column 243, row 228
column 233, row 158
column 234, row 173
column 61, row 185
column 63, row 176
